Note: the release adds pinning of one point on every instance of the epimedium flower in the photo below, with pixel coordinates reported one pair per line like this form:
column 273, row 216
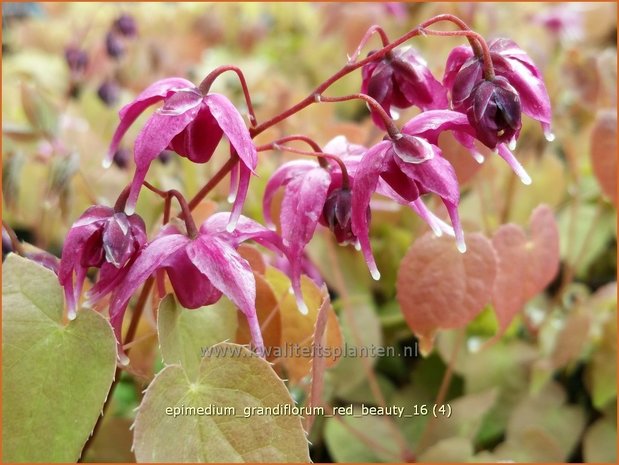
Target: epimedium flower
column 404, row 168
column 104, row 238
column 515, row 72
column 189, row 123
column 402, row 79
column 202, row 266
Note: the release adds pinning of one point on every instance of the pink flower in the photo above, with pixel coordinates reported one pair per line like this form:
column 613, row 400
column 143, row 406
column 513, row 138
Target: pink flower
column 464, row 73
column 313, row 194
column 192, row 125
column 100, row 238
column 404, row 169
column 402, row 79
column 200, row 269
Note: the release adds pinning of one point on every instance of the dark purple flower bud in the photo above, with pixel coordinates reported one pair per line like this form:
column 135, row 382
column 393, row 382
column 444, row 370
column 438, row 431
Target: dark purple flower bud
column 493, row 109
column 108, row 92
column 125, row 25
column 402, row 79
column 114, row 46
column 121, row 158
column 101, row 238
column 337, row 213
column 76, row 58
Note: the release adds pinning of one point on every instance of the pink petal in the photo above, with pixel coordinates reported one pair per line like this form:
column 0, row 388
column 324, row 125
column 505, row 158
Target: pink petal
column 302, row 206
column 129, row 113
column 457, row 57
column 437, row 225
column 192, row 288
column 200, row 138
column 241, row 195
column 232, row 275
column 366, row 181
column 279, row 178
column 179, row 110
column 431, row 123
column 233, row 126
column 151, row 258
column 514, row 164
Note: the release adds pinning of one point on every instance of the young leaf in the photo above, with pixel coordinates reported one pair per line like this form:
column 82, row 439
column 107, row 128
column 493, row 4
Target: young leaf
column 439, row 287
column 233, row 378
column 52, row 397
column 604, row 152
column 183, row 334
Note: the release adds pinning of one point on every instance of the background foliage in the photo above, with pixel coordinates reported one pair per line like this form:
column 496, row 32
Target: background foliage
column 543, row 391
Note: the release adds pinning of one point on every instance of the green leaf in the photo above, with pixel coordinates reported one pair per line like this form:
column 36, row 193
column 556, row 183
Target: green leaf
column 231, row 378
column 361, row 439
column 600, row 443
column 55, row 377
column 184, row 333
column 39, row 110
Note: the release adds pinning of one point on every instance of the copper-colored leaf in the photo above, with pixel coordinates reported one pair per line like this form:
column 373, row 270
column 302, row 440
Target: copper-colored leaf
column 526, row 265
column 298, row 329
column 440, row 288
column 604, row 152
column 254, row 257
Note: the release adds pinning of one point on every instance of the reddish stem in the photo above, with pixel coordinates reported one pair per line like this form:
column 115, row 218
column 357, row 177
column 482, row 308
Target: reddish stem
column 192, row 230
column 119, row 206
column 206, row 84
column 392, row 129
column 375, row 29
column 223, row 171
column 350, row 67
column 475, row 45
column 308, row 140
column 488, row 67
column 319, row 155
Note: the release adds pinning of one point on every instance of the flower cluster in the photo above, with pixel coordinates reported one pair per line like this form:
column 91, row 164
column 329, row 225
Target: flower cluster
column 480, row 99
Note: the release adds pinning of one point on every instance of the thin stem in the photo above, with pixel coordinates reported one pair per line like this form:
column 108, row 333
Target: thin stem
column 444, row 387
column 121, row 201
column 392, row 129
column 192, row 230
column 477, row 48
column 319, row 155
column 206, row 84
column 488, row 66
column 350, row 67
column 15, row 243
column 375, row 29
column 407, row 454
column 223, row 171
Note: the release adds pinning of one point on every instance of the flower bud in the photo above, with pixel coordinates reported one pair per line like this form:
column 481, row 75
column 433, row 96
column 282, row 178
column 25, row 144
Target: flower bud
column 494, row 111
column 108, row 92
column 76, row 58
column 114, row 46
column 121, row 158
column 125, row 25
column 337, row 213
column 412, row 149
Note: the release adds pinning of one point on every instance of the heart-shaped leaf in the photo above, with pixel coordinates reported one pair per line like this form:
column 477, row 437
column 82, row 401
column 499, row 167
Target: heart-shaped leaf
column 55, row 378
column 231, row 378
column 439, row 287
column 526, row 265
column 184, row 334
column 604, row 152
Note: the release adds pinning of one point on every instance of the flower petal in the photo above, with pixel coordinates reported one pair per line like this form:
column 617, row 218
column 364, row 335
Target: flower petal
column 200, row 138
column 231, row 274
column 178, row 111
column 233, row 126
column 366, row 181
column 430, row 124
column 457, row 57
column 279, row 178
column 130, row 112
column 514, row 164
column 192, row 288
column 151, row 258
column 241, row 194
column 302, row 207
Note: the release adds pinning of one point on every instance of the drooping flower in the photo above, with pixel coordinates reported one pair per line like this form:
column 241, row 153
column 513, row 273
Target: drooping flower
column 404, row 169
column 125, row 25
column 109, row 92
column 200, row 269
column 189, row 123
column 431, row 124
column 101, row 238
column 464, row 72
column 402, row 79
